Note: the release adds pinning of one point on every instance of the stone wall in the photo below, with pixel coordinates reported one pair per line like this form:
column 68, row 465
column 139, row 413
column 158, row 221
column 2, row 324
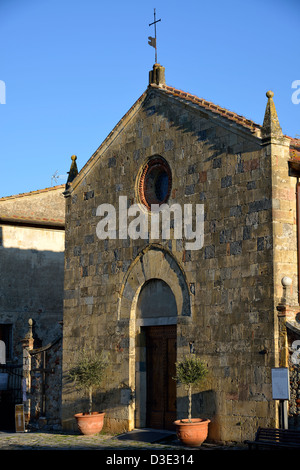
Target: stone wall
column 294, row 403
column 32, row 243
column 32, row 262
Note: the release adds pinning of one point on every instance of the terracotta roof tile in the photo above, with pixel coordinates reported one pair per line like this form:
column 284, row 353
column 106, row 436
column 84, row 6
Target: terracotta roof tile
column 43, row 207
column 30, row 219
column 210, row 106
column 32, row 193
column 294, row 148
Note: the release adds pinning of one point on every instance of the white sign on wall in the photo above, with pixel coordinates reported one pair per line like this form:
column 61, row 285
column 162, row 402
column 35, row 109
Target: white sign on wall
column 280, row 383
column 2, row 352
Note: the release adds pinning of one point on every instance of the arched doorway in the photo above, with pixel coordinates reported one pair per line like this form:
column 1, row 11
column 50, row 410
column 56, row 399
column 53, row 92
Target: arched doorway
column 154, row 296
column 156, row 313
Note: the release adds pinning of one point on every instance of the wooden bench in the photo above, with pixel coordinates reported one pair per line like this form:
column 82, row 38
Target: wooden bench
column 276, row 438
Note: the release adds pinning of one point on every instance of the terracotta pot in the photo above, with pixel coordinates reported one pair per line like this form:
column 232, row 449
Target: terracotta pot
column 192, row 433
column 89, row 424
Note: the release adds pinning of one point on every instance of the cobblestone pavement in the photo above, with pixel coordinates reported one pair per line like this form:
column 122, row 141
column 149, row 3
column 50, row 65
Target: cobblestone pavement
column 64, row 441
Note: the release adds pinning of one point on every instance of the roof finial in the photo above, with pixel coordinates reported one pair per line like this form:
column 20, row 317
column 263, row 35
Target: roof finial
column 73, row 170
column 152, row 41
column 271, row 126
column 157, row 75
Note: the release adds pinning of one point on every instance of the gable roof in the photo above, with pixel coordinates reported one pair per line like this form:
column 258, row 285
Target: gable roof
column 190, row 100
column 209, row 106
column 30, row 208
column 110, row 137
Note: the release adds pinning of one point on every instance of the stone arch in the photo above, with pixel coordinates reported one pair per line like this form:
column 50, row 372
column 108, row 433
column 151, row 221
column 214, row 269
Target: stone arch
column 153, row 262
column 157, row 292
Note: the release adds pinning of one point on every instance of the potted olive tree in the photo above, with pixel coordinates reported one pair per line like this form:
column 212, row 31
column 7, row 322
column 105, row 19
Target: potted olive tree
column 87, row 375
column 190, row 372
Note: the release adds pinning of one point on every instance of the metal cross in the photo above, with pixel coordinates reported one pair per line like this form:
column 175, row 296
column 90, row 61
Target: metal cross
column 152, row 41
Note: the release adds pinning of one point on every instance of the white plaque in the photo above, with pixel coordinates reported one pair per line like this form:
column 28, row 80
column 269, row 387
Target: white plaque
column 2, row 352
column 280, row 383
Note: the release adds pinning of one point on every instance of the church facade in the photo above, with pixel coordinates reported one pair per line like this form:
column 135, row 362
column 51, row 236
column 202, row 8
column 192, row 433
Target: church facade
column 179, row 231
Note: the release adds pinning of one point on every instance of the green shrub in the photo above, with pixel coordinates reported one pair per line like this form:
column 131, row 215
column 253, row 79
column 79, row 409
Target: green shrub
column 190, row 372
column 88, row 373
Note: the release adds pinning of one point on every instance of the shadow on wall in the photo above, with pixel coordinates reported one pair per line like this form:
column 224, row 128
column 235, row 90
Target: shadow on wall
column 102, row 400
column 31, row 280
column 187, row 123
column 203, row 405
column 113, row 402
column 31, row 287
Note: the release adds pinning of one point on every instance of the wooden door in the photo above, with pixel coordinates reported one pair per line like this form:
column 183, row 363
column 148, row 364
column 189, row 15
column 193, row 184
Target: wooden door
column 161, row 388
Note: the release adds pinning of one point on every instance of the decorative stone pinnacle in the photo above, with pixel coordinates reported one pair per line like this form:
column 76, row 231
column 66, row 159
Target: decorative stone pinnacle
column 271, row 127
column 30, row 324
column 73, row 170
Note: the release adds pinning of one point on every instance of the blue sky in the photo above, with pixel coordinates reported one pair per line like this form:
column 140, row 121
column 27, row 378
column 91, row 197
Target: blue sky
column 73, row 68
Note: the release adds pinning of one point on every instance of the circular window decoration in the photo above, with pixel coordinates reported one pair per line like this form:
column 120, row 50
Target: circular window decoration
column 155, row 182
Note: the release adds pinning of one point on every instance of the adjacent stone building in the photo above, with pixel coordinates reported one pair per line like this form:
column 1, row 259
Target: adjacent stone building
column 32, row 243
column 149, row 298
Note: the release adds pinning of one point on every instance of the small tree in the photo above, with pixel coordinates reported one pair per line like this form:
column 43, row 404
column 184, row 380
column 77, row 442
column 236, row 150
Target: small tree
column 88, row 373
column 190, row 372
